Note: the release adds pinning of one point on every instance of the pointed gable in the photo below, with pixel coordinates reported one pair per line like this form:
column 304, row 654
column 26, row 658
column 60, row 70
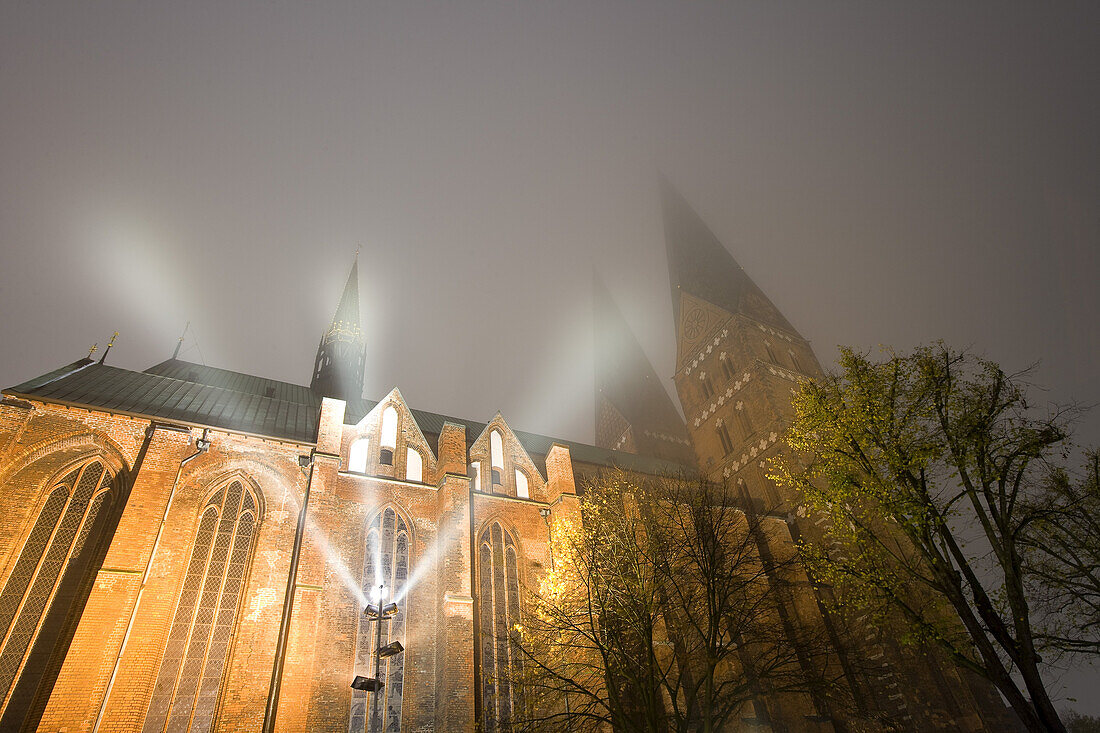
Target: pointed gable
column 627, row 383
column 514, row 458
column 363, row 444
column 700, row 265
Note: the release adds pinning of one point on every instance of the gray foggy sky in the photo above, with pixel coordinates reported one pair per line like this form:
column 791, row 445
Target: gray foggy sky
column 887, row 173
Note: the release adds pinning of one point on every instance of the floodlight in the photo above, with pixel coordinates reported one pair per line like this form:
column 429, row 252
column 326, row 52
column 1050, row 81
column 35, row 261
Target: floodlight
column 368, row 684
column 390, row 649
column 371, row 610
column 389, row 609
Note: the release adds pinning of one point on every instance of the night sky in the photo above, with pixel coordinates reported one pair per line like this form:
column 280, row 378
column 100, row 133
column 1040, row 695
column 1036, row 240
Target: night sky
column 888, row 173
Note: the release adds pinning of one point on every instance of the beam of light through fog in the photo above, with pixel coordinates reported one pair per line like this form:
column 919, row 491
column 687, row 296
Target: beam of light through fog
column 446, row 537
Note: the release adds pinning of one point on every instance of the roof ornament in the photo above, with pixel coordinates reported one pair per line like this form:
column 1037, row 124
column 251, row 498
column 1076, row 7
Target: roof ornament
column 95, row 348
column 179, row 343
column 109, row 345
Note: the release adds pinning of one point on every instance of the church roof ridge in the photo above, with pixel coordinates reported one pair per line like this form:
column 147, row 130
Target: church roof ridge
column 244, row 410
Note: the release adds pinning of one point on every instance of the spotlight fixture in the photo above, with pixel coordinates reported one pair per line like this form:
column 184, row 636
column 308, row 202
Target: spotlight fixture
column 390, row 649
column 367, row 684
column 372, row 609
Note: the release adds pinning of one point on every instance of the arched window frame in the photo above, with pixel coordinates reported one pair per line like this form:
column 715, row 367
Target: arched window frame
column 394, row 568
column 387, row 430
column 523, row 485
column 499, row 559
column 181, row 702
column 60, row 549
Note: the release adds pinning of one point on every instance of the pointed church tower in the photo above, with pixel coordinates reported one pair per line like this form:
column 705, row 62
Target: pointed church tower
column 634, row 412
column 341, row 356
column 738, row 358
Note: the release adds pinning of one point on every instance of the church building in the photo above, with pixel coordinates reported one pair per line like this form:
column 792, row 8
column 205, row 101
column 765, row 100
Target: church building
column 188, row 548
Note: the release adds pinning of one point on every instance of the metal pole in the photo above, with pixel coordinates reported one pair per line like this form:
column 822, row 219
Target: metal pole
column 378, row 661
column 288, row 609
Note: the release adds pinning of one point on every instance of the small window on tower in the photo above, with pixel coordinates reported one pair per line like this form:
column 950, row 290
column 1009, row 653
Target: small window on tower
column 771, row 353
column 708, row 388
column 385, row 456
column 794, row 360
column 496, row 480
column 475, row 472
column 521, row 485
column 724, row 438
column 727, row 369
column 746, row 424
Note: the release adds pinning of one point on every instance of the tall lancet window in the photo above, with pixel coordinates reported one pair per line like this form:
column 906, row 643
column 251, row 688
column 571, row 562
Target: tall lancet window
column 185, row 696
column 51, row 577
column 389, row 436
column 496, row 458
column 498, row 595
column 386, row 564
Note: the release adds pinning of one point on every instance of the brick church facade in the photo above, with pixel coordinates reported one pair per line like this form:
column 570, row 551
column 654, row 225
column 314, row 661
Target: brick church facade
column 188, row 548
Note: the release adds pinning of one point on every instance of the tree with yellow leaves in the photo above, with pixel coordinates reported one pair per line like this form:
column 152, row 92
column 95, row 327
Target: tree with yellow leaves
column 661, row 614
column 932, row 472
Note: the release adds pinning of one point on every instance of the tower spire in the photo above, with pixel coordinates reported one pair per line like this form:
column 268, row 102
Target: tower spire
column 700, row 265
column 338, row 370
column 633, row 410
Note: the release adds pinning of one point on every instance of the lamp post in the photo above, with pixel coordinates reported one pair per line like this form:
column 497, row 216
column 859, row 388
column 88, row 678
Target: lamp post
column 378, row 613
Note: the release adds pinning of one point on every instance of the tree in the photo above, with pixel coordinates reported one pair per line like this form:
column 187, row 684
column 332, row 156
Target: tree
column 1064, row 563
column 933, row 473
column 662, row 613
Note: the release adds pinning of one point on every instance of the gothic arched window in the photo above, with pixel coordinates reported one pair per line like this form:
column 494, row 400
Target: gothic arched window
column 498, row 594
column 185, row 696
column 386, row 564
column 51, row 579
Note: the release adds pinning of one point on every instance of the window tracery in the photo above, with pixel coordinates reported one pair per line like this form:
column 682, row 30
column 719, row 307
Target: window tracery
column 498, row 586
column 56, row 553
column 185, row 696
column 386, row 563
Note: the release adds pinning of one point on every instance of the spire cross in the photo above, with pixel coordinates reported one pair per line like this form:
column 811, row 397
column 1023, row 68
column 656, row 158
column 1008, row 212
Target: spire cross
column 109, row 345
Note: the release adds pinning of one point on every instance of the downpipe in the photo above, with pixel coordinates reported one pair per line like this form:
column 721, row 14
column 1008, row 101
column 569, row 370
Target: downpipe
column 272, row 708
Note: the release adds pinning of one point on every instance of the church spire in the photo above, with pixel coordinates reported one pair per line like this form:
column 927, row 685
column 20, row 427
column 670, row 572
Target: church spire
column 633, row 410
column 338, row 370
column 700, row 265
